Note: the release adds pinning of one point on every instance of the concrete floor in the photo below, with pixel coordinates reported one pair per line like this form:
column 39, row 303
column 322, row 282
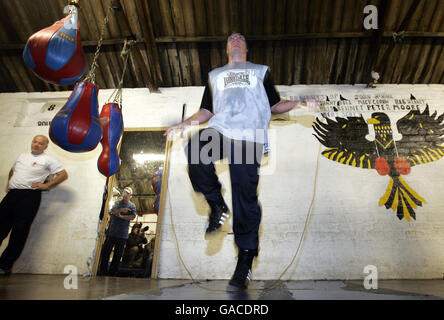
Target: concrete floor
column 51, row 287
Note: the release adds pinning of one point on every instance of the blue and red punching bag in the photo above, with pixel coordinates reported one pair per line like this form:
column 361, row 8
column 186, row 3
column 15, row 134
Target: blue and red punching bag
column 157, row 186
column 76, row 127
column 55, row 53
column 112, row 127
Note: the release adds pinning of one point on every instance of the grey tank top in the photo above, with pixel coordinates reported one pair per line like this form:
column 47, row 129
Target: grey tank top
column 240, row 103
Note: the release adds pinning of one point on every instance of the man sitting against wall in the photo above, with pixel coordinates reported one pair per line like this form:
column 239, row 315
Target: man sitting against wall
column 24, row 192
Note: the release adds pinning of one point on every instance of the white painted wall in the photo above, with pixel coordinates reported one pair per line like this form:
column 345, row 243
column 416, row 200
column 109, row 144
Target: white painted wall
column 347, row 230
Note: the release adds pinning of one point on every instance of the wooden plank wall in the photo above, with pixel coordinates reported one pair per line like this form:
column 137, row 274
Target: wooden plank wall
column 306, row 61
column 293, row 60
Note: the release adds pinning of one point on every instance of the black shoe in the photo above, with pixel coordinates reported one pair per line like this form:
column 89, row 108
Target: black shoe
column 5, row 272
column 218, row 216
column 242, row 274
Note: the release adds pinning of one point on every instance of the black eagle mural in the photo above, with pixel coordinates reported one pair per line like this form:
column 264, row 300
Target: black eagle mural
column 421, row 143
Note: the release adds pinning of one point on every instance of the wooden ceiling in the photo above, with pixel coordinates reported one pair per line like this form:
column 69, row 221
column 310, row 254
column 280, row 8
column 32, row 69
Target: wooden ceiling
column 178, row 41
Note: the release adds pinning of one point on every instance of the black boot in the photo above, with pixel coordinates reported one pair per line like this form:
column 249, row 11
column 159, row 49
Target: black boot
column 242, row 274
column 5, row 272
column 217, row 217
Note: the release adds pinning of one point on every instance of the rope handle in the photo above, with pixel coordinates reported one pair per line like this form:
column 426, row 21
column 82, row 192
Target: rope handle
column 116, row 96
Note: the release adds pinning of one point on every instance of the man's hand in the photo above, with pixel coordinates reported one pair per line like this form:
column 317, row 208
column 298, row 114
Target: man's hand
column 11, row 173
column 201, row 116
column 118, row 212
column 39, row 186
column 311, row 105
column 180, row 126
column 60, row 177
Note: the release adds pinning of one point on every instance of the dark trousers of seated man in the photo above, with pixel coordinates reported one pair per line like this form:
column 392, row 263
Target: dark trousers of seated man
column 244, row 157
column 118, row 244
column 17, row 212
column 130, row 255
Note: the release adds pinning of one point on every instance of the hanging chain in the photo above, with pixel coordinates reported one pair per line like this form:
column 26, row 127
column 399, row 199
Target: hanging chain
column 92, row 72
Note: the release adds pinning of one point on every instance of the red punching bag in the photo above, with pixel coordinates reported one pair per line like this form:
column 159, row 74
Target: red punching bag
column 112, row 128
column 55, row 53
column 76, row 127
column 157, row 186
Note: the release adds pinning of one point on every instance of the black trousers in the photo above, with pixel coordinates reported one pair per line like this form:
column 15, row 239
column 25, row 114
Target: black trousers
column 118, row 244
column 17, row 212
column 244, row 159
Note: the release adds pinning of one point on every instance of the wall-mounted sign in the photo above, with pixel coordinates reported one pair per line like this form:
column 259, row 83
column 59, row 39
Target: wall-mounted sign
column 337, row 104
column 37, row 113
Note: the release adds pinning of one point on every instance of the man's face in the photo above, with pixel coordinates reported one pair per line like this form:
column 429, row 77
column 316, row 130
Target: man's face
column 236, row 44
column 126, row 196
column 39, row 144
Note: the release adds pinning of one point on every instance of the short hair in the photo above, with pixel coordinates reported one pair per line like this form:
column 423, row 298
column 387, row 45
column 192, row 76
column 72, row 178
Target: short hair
column 235, row 32
column 43, row 136
column 128, row 190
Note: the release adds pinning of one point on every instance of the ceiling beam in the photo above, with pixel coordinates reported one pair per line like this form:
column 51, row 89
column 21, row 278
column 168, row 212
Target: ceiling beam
column 281, row 37
column 85, row 44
